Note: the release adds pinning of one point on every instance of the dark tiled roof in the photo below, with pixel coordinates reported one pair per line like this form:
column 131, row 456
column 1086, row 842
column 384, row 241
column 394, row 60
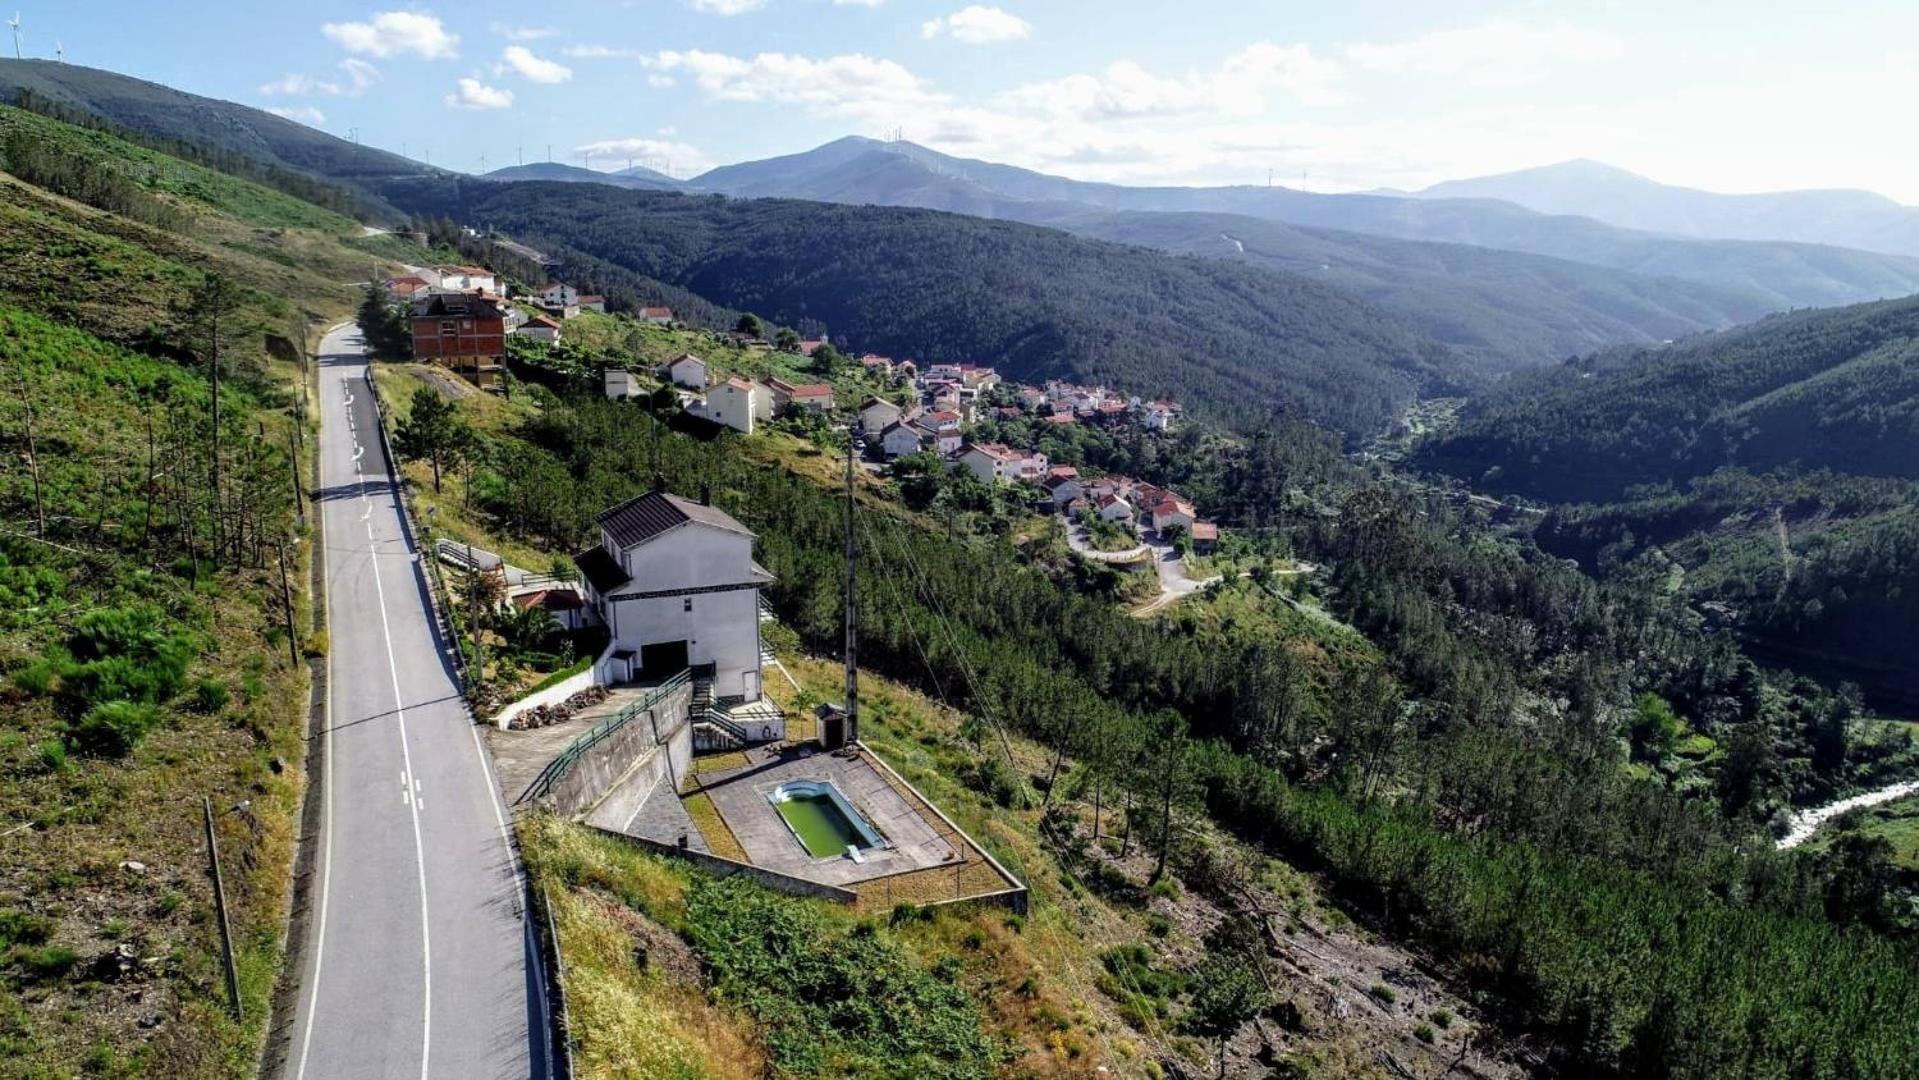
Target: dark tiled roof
column 600, row 569
column 640, row 519
column 440, row 304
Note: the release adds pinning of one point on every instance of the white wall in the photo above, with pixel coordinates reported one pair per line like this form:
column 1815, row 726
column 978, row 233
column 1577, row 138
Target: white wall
column 723, row 629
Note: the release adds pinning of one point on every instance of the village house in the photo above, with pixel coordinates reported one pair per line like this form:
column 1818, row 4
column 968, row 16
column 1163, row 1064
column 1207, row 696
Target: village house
column 812, row 397
column 407, row 287
column 540, row 328
column 593, row 303
column 559, row 295
column 1159, row 416
column 620, row 384
column 467, row 279
column 876, row 414
column 877, row 365
column 689, row 371
column 998, row 463
column 657, row 316
column 906, row 369
column 1113, row 508
column 945, row 426
column 675, row 583
column 736, row 403
column 1031, row 398
column 1170, row 513
column 901, row 438
column 1063, row 489
column 565, row 605
column 1205, row 537
column 462, row 333
column 976, row 378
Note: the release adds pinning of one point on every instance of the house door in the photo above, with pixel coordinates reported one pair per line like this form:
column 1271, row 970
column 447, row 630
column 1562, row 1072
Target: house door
column 662, row 659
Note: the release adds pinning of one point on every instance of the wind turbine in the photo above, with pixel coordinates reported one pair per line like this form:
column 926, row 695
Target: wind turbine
column 59, row 51
column 14, row 23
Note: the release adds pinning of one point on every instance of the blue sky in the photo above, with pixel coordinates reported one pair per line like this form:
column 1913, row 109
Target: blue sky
column 1715, row 94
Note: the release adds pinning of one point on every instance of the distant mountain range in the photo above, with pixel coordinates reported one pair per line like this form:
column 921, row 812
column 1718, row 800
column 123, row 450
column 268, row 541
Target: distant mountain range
column 1504, row 285
column 1855, row 219
column 858, row 170
column 638, row 176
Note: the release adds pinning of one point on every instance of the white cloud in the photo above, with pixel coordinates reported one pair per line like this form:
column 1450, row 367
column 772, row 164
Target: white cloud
column 537, row 69
column 294, row 85
column 663, row 155
column 474, row 94
column 360, row 72
column 395, row 33
column 303, row 114
column 523, row 33
column 978, row 25
column 852, row 85
column 727, row 7
column 601, row 52
column 1239, row 86
column 1496, row 54
column 858, row 3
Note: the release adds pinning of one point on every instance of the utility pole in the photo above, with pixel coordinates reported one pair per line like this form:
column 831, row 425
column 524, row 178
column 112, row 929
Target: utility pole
column 286, row 594
column 220, row 909
column 852, row 614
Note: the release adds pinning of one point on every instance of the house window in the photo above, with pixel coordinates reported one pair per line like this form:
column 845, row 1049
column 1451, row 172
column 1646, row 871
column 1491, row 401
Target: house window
column 689, row 604
column 449, row 329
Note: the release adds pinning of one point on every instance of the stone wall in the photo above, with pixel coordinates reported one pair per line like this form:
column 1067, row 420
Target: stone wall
column 719, row 867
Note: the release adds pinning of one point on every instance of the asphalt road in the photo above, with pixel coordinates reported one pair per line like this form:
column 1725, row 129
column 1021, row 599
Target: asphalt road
column 420, row 959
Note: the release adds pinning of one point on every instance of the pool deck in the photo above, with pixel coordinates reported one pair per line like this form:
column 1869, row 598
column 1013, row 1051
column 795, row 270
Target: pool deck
column 739, row 795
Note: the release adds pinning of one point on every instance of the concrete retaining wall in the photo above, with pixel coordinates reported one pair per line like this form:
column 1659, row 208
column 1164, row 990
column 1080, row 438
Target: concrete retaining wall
column 666, row 725
column 719, row 867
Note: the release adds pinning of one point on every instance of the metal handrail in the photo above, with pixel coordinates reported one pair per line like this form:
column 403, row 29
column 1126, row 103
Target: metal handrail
column 557, row 768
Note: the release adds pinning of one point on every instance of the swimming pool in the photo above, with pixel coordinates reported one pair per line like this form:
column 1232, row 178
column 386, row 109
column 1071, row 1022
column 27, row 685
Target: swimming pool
column 821, row 819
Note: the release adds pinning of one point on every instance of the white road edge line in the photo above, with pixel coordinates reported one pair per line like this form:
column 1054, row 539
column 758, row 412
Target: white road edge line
column 419, row 846
column 326, row 802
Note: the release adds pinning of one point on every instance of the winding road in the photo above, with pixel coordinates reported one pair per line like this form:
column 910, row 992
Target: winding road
column 420, row 958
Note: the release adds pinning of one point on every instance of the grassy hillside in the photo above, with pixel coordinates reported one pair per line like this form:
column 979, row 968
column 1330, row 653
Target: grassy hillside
column 140, row 674
column 1237, row 342
column 1832, row 389
column 144, row 662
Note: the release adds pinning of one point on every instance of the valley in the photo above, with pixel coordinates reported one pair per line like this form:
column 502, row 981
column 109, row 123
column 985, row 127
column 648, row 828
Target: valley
column 874, row 612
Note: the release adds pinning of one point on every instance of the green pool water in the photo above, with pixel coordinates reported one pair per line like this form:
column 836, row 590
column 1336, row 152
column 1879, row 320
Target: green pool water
column 819, row 824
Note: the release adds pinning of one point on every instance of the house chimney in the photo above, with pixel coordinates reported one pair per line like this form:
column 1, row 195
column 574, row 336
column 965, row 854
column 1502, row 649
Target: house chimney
column 706, row 495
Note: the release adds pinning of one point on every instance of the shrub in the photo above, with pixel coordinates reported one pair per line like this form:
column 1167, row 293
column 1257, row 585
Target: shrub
column 1158, row 925
column 42, row 962
column 1441, row 1018
column 114, row 728
column 210, row 695
column 1424, row 1033
column 1386, row 995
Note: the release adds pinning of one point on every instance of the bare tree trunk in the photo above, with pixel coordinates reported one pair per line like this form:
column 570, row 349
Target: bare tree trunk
column 33, row 464
column 146, row 522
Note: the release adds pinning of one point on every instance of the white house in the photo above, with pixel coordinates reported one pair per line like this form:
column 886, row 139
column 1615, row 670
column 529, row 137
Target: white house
column 559, row 295
column 466, row 279
column 540, row 328
column 1160, row 416
column 901, row 438
column 1172, row 513
column 593, row 303
column 876, row 414
column 736, row 403
column 689, row 371
column 1113, row 508
column 658, row 316
column 675, row 583
column 620, row 385
column 994, row 463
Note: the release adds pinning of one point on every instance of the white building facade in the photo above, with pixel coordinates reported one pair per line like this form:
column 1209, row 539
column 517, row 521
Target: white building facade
column 675, row 583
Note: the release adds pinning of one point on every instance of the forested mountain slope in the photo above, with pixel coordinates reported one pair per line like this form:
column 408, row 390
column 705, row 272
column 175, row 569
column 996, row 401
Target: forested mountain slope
column 1854, row 219
column 900, row 173
column 1836, row 389
column 1235, row 341
column 164, row 112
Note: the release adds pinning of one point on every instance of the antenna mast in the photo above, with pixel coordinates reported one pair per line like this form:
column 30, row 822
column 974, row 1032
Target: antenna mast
column 852, row 617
